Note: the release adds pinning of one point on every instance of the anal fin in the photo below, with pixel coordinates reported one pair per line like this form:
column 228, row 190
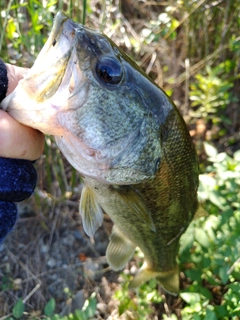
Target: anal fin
column 119, row 250
column 169, row 280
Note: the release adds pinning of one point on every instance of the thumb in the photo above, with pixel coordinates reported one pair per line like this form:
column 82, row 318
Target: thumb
column 19, row 141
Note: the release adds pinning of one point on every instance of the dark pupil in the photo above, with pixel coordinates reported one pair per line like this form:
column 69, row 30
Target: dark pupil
column 106, row 74
column 109, row 71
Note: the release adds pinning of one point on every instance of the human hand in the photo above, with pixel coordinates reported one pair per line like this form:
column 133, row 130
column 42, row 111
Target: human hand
column 18, row 145
column 17, row 140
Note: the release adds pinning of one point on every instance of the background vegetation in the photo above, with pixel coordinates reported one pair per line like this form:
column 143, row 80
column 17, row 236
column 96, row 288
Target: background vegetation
column 48, row 268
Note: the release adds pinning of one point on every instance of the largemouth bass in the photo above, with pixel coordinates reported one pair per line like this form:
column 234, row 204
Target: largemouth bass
column 125, row 137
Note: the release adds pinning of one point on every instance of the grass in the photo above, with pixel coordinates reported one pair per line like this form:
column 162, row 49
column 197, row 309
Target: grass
column 190, row 48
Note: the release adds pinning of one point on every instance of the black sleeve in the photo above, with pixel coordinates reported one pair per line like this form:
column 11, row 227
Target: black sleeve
column 3, row 80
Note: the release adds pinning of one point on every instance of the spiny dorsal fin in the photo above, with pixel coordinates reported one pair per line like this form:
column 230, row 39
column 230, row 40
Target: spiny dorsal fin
column 120, row 250
column 136, row 204
column 90, row 211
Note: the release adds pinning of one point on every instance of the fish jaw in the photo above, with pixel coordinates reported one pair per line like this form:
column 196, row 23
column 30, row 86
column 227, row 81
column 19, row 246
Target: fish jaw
column 47, row 86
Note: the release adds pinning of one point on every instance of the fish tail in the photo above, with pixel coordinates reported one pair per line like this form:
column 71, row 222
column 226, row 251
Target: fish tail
column 169, row 280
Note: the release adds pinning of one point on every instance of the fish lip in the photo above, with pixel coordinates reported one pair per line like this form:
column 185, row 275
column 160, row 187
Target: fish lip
column 63, row 29
column 59, row 20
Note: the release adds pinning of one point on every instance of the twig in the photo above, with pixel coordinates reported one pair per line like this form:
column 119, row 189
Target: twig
column 166, row 306
column 25, row 267
column 233, row 266
column 184, row 19
column 178, row 235
column 6, row 317
column 151, row 63
column 187, row 68
column 32, row 292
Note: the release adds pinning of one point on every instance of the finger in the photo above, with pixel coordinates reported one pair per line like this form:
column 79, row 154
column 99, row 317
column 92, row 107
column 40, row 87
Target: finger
column 14, row 74
column 19, row 141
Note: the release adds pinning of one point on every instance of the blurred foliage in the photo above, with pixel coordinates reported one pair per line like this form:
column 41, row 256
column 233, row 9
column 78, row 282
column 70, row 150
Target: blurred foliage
column 87, row 313
column 192, row 50
column 211, row 93
column 140, row 306
column 210, row 249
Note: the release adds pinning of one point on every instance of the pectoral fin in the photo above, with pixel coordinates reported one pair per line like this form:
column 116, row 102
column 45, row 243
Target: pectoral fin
column 90, row 211
column 169, row 280
column 119, row 250
column 136, row 204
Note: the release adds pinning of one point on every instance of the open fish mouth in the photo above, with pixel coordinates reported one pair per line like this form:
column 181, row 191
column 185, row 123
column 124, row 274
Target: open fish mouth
column 50, row 82
column 59, row 57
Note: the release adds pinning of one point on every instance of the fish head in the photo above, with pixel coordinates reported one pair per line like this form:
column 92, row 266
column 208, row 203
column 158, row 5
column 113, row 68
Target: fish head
column 105, row 113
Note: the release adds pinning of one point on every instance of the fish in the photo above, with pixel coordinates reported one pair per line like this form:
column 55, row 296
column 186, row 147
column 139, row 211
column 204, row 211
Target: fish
column 126, row 138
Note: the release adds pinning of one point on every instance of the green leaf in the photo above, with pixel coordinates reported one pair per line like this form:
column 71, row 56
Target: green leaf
column 206, row 293
column 50, row 307
column 221, row 311
column 187, row 239
column 223, row 274
column 210, row 315
column 80, row 315
column 210, row 150
column 18, row 309
column 90, row 306
column 236, row 155
column 190, row 297
column 194, row 274
column 201, row 237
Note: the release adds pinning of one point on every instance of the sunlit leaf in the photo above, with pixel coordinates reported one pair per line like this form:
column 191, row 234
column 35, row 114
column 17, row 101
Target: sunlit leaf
column 210, row 150
column 190, row 297
column 90, row 306
column 236, row 155
column 201, row 237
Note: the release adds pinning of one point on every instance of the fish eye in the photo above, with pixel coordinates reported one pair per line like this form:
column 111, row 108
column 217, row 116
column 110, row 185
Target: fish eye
column 109, row 70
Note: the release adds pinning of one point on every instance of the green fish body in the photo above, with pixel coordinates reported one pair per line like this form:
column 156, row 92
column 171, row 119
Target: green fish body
column 125, row 137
